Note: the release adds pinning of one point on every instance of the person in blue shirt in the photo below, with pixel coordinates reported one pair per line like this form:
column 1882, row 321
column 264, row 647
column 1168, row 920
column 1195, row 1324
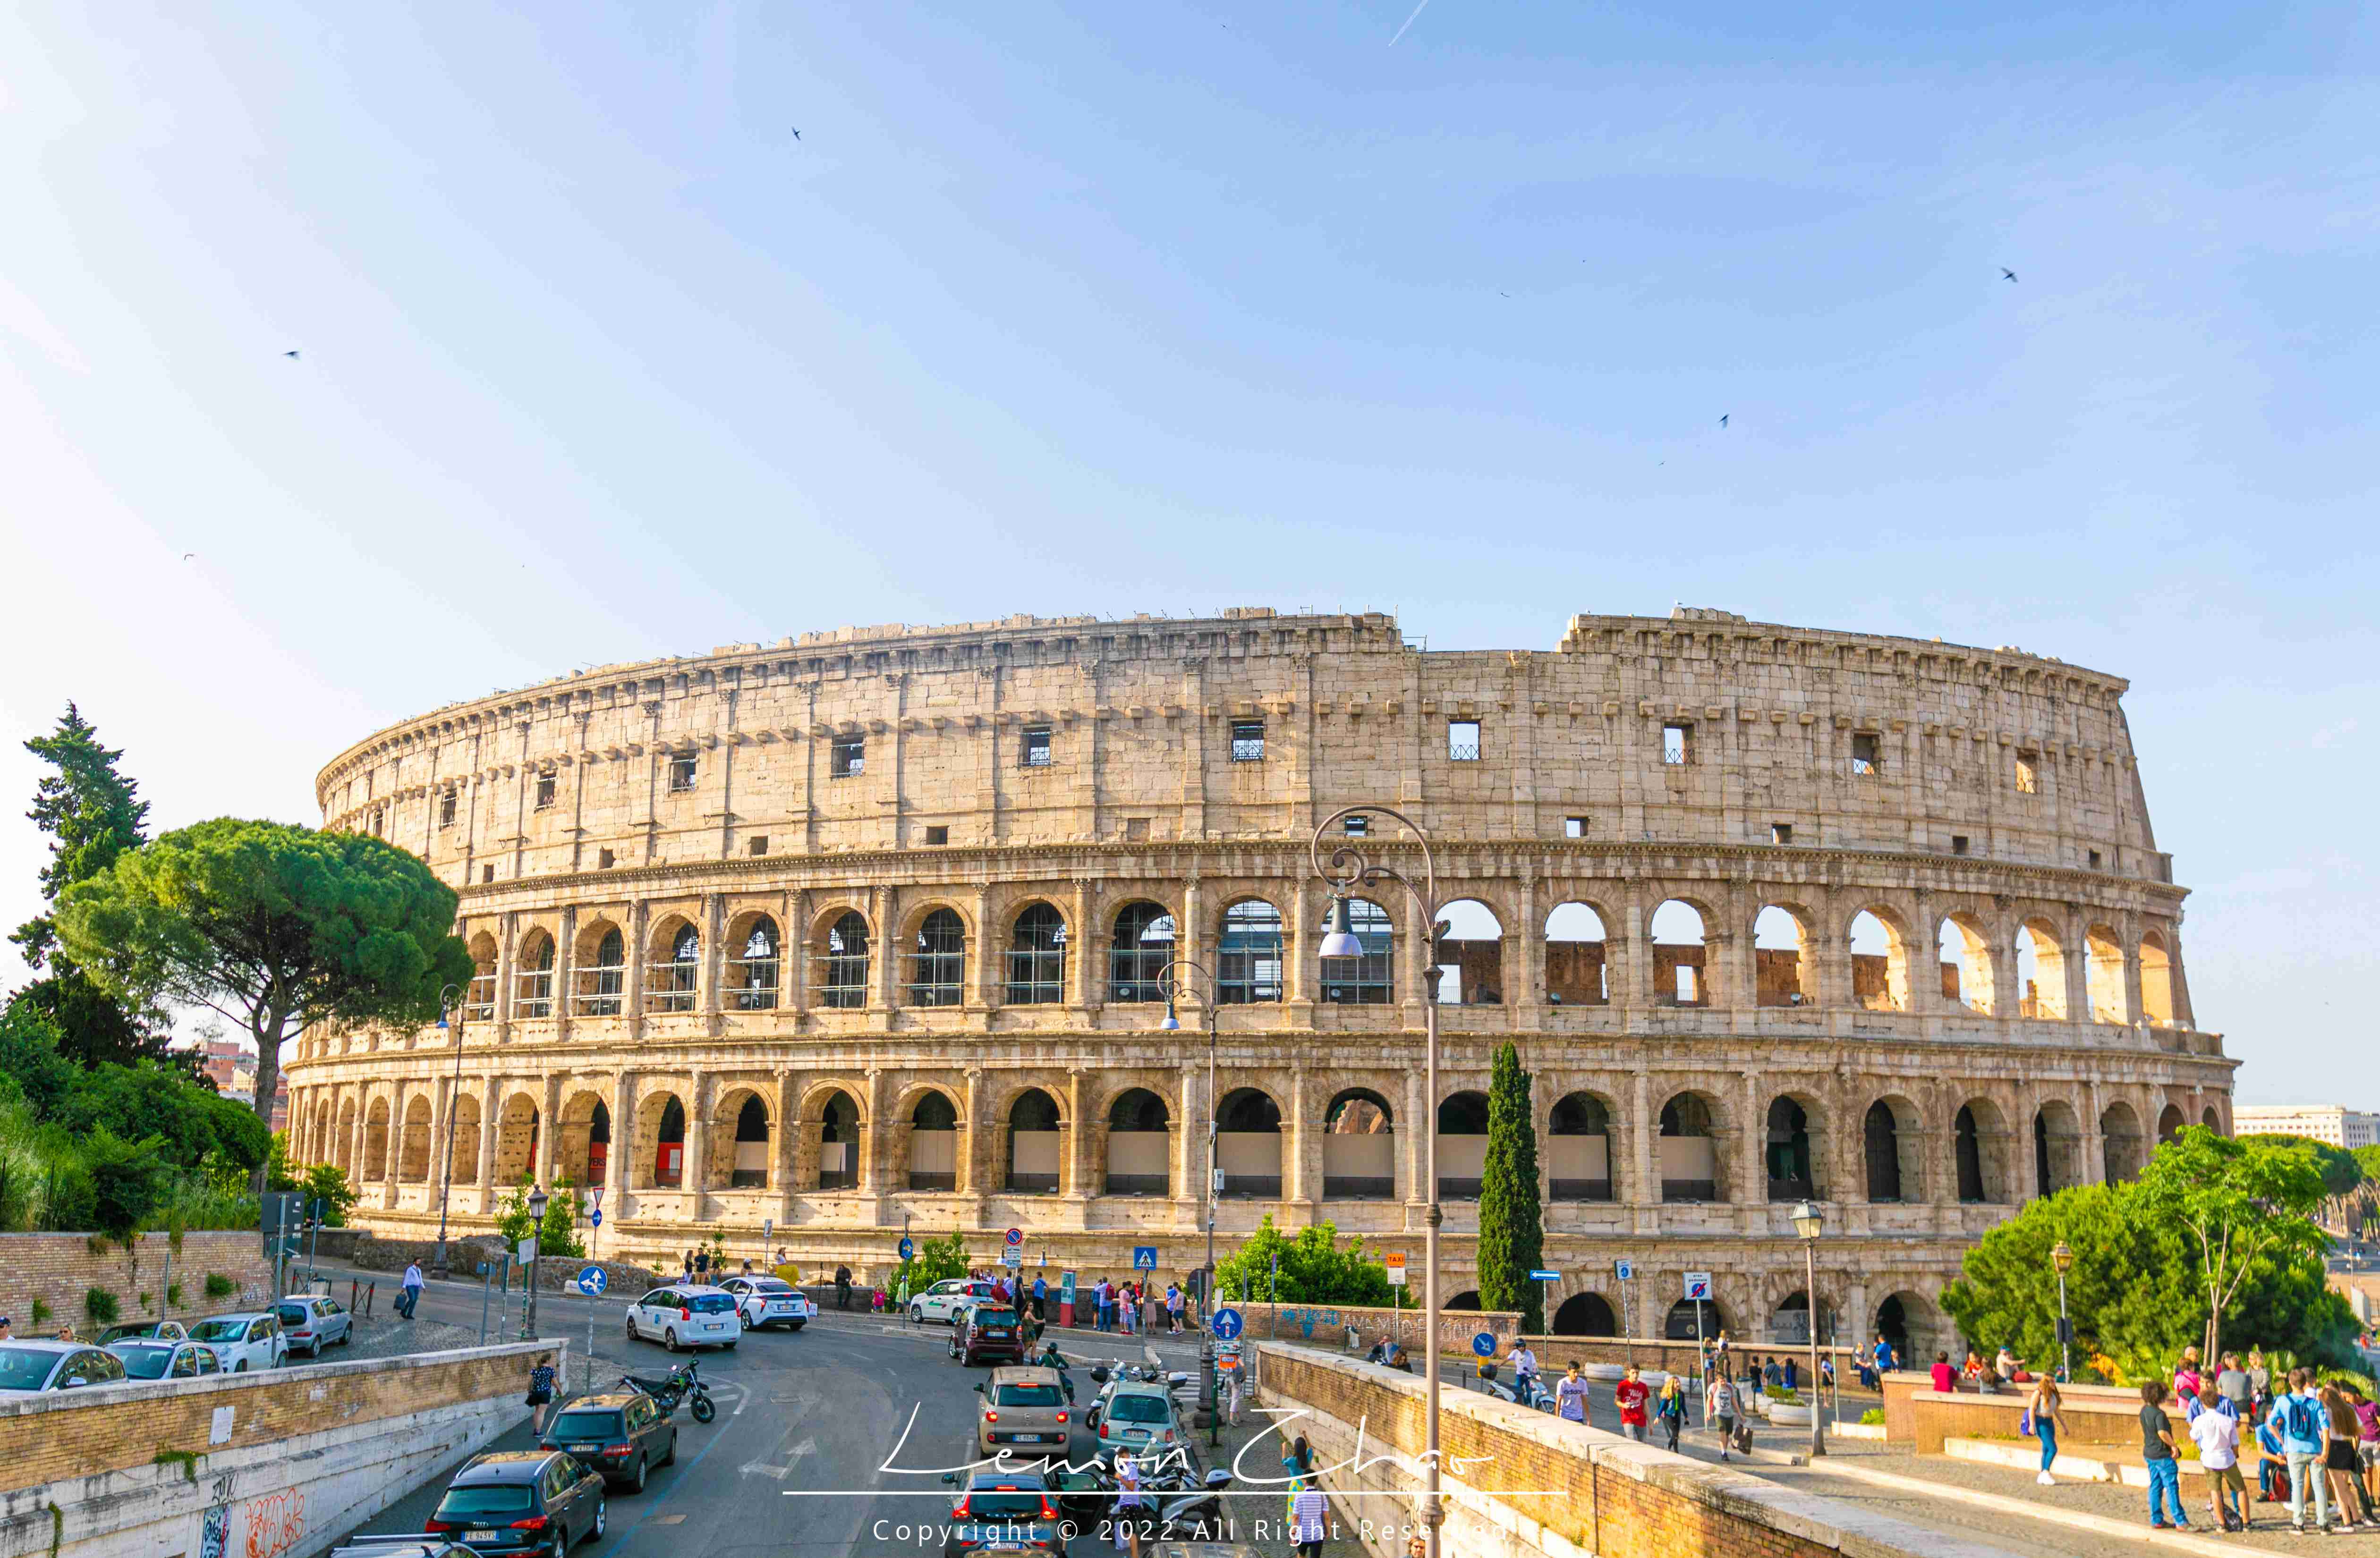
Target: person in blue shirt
column 1041, row 1300
column 2303, row 1425
column 2272, row 1464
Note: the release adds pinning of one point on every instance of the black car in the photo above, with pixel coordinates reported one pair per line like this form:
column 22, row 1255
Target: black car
column 1004, row 1512
column 621, row 1434
column 521, row 1501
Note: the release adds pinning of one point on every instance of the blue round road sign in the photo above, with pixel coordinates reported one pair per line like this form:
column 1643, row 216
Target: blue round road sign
column 595, row 1218
column 590, row 1281
column 1014, row 1237
column 907, row 1249
column 1484, row 1344
column 1227, row 1324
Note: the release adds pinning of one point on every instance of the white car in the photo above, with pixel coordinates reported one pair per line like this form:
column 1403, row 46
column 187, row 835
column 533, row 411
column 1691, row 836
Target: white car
column 244, row 1342
column 685, row 1314
column 945, row 1300
column 769, row 1300
column 169, row 1359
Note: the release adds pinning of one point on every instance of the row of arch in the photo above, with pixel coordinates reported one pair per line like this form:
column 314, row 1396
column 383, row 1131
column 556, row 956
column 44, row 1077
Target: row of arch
column 1887, row 961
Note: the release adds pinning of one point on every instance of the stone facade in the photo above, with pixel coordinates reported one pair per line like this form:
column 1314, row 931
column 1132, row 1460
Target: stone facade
column 862, row 933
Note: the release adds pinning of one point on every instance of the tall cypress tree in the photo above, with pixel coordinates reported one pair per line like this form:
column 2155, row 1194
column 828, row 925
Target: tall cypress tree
column 1512, row 1220
column 92, row 814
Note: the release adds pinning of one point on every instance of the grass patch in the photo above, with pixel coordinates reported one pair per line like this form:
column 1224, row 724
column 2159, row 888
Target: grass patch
column 220, row 1286
column 99, row 1304
column 174, row 1295
column 183, row 1458
column 41, row 1313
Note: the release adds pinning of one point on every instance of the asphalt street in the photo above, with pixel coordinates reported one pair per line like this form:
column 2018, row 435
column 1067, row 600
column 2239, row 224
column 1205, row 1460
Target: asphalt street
column 830, row 1440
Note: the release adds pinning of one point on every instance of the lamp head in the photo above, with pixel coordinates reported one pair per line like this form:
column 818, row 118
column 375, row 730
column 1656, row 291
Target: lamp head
column 2061, row 1256
column 1807, row 1220
column 1340, row 942
column 1172, row 1023
column 441, row 1020
column 536, row 1199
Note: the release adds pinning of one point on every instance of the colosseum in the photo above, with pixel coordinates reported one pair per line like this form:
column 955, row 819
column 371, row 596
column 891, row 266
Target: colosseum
column 867, row 932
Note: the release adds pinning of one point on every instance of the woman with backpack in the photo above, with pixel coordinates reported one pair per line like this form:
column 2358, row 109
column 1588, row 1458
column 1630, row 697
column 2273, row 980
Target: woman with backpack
column 2043, row 1409
column 1671, row 1409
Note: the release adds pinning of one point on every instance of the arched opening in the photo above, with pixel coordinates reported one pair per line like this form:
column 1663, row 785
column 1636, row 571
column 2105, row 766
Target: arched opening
column 1033, row 1136
column 585, row 1145
column 1366, row 980
column 1577, row 970
column 2105, row 976
column 1792, row 1173
column 376, row 1142
column 1470, row 956
column 1359, row 1148
column 1467, row 1300
column 934, row 1143
column 1879, row 963
column 677, row 966
column 603, row 972
column 1461, row 1145
column 1037, row 958
column 2210, row 1119
column 2040, row 971
column 1789, row 1322
column 1912, row 1327
column 343, row 1147
column 1681, row 976
column 2119, row 1137
column 1585, row 1314
column 1880, row 1135
column 1966, row 957
column 663, row 1119
column 465, row 1135
column 842, row 963
column 480, row 1000
column 1783, row 966
column 1248, row 1145
column 2056, row 1147
column 533, row 980
column 752, row 973
column 1140, row 1148
column 1142, row 948
column 2170, row 1123
column 1690, row 1319
column 1983, row 1173
column 749, row 1168
column 1578, row 1148
column 938, row 965
column 2156, row 981
column 413, row 1154
column 838, row 1163
column 1689, row 1164
column 516, row 1131
column 1248, row 955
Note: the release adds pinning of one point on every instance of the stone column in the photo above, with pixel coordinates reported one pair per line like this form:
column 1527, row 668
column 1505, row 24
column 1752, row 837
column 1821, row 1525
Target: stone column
column 508, row 934
column 983, row 955
column 2129, row 926
column 1189, row 1172
column 1189, row 943
column 1752, row 1156
column 618, row 1162
column 493, row 1104
column 973, row 1173
column 1299, row 941
column 565, row 973
column 697, row 1177
column 1634, row 987
column 2094, row 1145
column 1834, row 955
column 794, row 952
column 2078, row 990
column 884, row 972
column 549, row 1132
column 1413, row 948
column 1647, row 1129
column 782, row 1139
column 1300, row 1177
column 1412, row 1127
column 1076, row 1143
column 640, row 922
column 1086, row 937
column 714, row 954
column 1525, row 946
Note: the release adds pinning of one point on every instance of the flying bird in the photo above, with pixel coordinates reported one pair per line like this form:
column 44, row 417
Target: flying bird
column 189, row 556
column 1722, row 419
column 2007, row 274
column 797, row 134
column 289, row 353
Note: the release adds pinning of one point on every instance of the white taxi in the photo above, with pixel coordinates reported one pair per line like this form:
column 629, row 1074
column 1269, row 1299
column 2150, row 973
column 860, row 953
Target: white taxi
column 685, row 1314
column 947, row 1299
column 763, row 1301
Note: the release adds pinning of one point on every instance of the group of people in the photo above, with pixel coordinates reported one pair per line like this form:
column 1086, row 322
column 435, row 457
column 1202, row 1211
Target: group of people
column 1126, row 1307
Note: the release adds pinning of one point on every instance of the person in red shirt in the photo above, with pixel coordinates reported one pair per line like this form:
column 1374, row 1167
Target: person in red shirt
column 1946, row 1378
column 1632, row 1393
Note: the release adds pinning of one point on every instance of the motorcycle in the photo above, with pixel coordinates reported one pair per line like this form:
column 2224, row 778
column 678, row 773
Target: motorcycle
column 683, row 1384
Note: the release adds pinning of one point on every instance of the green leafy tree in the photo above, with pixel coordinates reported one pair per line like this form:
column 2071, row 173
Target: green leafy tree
column 93, row 814
column 1313, row 1270
column 127, row 1180
column 2241, row 1202
column 191, row 1122
column 939, row 1259
column 513, row 1223
column 327, row 1183
column 30, row 1057
column 272, row 925
column 1512, row 1220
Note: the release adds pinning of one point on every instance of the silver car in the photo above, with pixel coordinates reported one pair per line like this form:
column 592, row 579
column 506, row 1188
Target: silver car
column 164, row 1359
column 56, row 1366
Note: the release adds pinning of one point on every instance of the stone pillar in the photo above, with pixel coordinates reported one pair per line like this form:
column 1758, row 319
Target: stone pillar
column 1752, row 1154
column 1524, row 956
column 640, row 922
column 1189, row 1172
column 565, row 973
column 1647, row 1129
column 549, row 1132
column 2093, row 1146
column 1299, row 941
column 1086, row 936
column 1413, row 950
column 1300, row 1179
column 884, row 972
column 1076, row 1143
column 1412, row 1131
column 1189, row 944
column 2078, row 994
column 714, row 953
column 783, row 1138
column 493, row 1104
column 697, row 1177
column 619, row 1161
column 2007, row 990
column 2129, row 928
column 876, row 1141
column 1834, row 955
column 983, row 955
column 508, row 934
column 1636, row 988
column 973, row 1172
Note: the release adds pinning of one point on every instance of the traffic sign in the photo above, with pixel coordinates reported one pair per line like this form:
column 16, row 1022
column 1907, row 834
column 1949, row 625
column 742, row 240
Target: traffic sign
column 1011, row 1257
column 1625, row 1269
column 1556, row 1276
column 1015, row 1237
column 590, row 1281
column 907, row 1249
column 1484, row 1344
column 1227, row 1322
column 1143, row 1257
column 768, row 1229
column 596, row 1217
column 595, row 1194
column 1698, row 1285
column 1396, row 1263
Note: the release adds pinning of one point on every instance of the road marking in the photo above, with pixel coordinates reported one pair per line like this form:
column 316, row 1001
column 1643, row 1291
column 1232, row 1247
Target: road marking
column 754, row 1468
column 807, row 1447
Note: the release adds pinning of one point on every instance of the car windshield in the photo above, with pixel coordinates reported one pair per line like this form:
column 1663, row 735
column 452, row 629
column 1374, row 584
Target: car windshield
column 771, row 1285
column 219, row 1330
column 981, row 1505
column 24, row 1367
column 984, row 1316
column 122, row 1333
column 585, row 1425
column 146, row 1363
column 291, row 1314
column 1029, row 1395
column 486, row 1498
column 1137, row 1409
column 710, row 1303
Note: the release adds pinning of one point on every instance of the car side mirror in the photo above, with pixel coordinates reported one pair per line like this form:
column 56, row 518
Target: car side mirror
column 951, row 1477
column 71, row 1384
column 978, row 1389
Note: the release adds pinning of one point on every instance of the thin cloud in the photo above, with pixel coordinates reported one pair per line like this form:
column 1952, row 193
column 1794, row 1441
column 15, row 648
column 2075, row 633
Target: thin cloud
column 1409, row 21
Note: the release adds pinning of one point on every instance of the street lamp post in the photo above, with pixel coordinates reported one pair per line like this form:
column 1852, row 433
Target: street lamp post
column 2062, row 1257
column 1210, row 1396
column 1809, row 1224
column 537, row 1199
column 1347, row 870
column 453, row 1091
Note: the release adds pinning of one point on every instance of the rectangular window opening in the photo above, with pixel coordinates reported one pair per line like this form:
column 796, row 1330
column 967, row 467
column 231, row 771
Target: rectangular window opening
column 1462, row 741
column 486, row 875
column 1135, row 828
column 848, row 758
column 1034, row 751
column 758, row 846
column 1867, row 753
column 2028, row 773
column 1357, row 826
column 938, row 833
column 603, row 860
column 1677, row 743
column 681, row 774
column 1780, row 832
column 2094, row 860
column 446, row 809
column 545, row 788
column 1958, row 843
column 1247, row 741
column 1573, row 828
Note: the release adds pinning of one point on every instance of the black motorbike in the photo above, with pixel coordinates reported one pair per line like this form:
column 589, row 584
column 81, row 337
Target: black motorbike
column 684, row 1385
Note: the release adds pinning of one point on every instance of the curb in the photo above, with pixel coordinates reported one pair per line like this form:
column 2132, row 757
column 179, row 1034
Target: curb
column 2000, row 1504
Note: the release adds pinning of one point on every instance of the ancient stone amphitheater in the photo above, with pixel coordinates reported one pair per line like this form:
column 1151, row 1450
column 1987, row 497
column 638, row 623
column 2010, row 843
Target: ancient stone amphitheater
column 866, row 932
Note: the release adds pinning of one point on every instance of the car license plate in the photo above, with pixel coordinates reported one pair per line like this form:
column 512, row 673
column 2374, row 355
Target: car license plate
column 479, row 1535
column 1136, row 1433
column 584, row 1449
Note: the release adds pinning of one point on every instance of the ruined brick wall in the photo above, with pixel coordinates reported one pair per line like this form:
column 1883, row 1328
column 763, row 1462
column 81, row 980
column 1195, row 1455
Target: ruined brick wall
column 60, row 1270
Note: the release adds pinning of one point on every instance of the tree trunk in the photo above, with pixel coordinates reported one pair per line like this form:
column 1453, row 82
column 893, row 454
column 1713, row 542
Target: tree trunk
column 268, row 1035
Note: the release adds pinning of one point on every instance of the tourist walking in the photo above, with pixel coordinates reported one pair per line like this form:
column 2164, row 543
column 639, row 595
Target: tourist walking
column 2217, row 1433
column 1671, row 1410
column 540, row 1396
column 1041, row 1299
column 1632, row 1393
column 1173, row 1306
column 409, row 1297
column 2046, row 1425
column 2339, row 1463
column 842, row 1283
column 1569, row 1394
column 1310, row 1514
column 1719, row 1406
column 1127, row 1504
column 2303, row 1427
column 2156, row 1451
column 2367, row 1442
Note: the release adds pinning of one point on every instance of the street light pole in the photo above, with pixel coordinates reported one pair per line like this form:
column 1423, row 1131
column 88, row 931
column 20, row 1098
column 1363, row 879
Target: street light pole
column 1207, row 1388
column 454, row 1092
column 2061, row 1256
column 1346, row 871
column 1809, row 1223
column 537, row 1199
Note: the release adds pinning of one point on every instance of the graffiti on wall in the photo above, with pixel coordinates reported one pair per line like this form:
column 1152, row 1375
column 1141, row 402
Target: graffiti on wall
column 276, row 1523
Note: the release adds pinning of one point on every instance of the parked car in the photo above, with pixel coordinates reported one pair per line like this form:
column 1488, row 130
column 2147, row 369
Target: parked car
column 767, row 1301
column 521, row 1501
column 160, row 1330
column 943, row 1300
column 1137, row 1416
column 243, row 1342
column 685, row 1314
column 313, row 1322
column 987, row 1335
column 145, row 1360
column 56, row 1366
column 1022, row 1406
column 401, row 1546
column 1002, row 1511
column 620, row 1433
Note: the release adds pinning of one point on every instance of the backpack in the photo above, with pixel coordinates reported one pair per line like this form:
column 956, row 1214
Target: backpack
column 2297, row 1421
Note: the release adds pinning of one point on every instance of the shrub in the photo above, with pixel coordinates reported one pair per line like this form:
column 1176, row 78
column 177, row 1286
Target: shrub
column 147, row 1301
column 1872, row 1418
column 41, row 1311
column 174, row 1295
column 100, row 1305
column 220, row 1286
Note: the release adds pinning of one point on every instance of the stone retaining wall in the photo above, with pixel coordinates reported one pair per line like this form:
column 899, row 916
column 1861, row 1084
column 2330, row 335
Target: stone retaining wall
column 60, row 1270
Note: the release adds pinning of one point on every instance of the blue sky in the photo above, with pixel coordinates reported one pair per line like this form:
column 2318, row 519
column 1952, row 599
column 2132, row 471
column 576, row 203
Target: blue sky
column 1109, row 309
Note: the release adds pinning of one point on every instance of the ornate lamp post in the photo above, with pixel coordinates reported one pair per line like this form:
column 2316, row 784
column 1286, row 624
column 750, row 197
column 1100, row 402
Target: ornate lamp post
column 1207, row 1396
column 1344, row 873
column 1809, row 1224
column 537, row 1199
column 453, row 1091
column 2062, row 1257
